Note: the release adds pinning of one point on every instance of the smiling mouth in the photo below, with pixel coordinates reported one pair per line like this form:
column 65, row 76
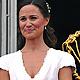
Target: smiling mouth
column 29, row 30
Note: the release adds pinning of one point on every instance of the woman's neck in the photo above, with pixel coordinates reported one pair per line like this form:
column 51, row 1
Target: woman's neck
column 35, row 45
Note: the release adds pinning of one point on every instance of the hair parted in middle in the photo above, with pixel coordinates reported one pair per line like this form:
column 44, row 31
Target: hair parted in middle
column 48, row 34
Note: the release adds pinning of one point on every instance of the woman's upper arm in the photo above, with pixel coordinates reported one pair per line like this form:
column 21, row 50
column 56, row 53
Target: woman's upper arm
column 4, row 75
column 65, row 73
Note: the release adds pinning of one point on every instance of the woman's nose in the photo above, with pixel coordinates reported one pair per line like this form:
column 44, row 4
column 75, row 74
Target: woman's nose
column 28, row 23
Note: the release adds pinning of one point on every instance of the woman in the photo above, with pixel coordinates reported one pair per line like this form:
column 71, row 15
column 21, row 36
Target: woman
column 36, row 60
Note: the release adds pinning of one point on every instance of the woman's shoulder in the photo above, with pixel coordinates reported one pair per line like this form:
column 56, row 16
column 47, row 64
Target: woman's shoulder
column 59, row 54
column 6, row 60
column 62, row 58
column 11, row 55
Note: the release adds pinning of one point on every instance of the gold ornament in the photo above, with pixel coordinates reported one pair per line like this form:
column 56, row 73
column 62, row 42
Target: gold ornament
column 70, row 40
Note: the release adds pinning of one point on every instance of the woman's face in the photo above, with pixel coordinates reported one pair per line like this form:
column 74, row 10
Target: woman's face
column 31, row 21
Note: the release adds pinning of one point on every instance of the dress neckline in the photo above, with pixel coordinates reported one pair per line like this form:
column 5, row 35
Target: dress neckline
column 42, row 67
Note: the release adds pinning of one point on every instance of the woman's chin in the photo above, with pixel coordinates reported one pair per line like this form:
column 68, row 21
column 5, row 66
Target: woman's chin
column 30, row 37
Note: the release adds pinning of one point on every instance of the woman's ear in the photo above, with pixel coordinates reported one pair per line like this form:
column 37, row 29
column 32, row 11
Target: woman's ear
column 47, row 20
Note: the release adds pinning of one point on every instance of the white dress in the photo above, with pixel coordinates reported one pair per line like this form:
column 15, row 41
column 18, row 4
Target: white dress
column 54, row 60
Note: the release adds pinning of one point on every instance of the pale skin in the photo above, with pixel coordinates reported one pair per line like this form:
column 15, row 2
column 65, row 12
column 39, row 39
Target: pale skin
column 32, row 24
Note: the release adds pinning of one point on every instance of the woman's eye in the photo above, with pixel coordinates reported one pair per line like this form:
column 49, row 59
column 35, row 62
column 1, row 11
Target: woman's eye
column 33, row 18
column 22, row 19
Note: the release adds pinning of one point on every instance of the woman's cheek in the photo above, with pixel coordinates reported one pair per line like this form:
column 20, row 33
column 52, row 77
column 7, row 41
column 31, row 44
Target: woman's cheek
column 21, row 25
column 38, row 24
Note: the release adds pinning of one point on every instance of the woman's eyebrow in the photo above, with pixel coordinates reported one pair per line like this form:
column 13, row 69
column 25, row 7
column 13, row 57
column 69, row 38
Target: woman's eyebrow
column 21, row 16
column 33, row 15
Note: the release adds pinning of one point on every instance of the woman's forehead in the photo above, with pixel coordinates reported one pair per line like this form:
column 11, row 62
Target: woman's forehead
column 30, row 9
